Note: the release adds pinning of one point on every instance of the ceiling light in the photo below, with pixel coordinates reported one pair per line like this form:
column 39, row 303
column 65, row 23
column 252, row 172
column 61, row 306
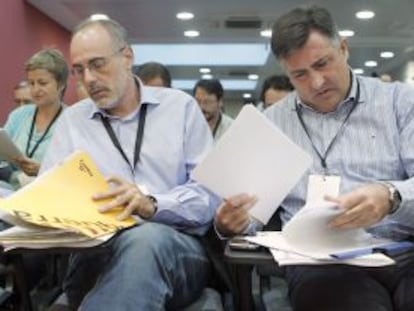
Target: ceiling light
column 185, row 15
column 97, row 17
column 207, row 76
column 247, row 95
column 267, row 33
column 346, row 33
column 191, row 33
column 358, row 71
column 205, row 70
column 387, row 54
column 365, row 14
column 253, row 77
column 371, row 63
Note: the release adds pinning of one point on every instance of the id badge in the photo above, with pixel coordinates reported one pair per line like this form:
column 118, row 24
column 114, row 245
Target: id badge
column 322, row 185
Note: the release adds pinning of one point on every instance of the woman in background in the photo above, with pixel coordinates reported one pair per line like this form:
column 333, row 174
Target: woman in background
column 31, row 126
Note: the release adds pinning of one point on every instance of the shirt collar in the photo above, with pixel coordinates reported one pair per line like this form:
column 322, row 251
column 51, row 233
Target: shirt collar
column 147, row 97
column 350, row 98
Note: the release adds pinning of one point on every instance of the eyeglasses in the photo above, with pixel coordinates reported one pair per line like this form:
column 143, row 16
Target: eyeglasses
column 95, row 65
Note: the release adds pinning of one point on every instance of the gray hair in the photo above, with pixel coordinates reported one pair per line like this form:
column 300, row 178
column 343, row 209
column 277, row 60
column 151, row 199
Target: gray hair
column 51, row 60
column 291, row 31
column 118, row 33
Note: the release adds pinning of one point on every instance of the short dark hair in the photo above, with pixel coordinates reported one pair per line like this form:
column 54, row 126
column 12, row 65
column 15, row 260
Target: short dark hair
column 277, row 82
column 212, row 86
column 151, row 70
column 291, row 31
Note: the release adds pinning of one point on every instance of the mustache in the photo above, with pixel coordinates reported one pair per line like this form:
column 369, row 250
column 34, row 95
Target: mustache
column 94, row 87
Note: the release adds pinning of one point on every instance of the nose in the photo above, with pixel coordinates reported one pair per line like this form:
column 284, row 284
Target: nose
column 317, row 80
column 88, row 76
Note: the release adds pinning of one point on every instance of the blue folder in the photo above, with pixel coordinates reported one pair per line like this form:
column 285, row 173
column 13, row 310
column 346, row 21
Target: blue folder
column 392, row 248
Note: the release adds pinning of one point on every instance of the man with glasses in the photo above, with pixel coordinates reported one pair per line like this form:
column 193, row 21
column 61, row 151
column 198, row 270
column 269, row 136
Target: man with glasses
column 146, row 140
column 209, row 95
column 359, row 131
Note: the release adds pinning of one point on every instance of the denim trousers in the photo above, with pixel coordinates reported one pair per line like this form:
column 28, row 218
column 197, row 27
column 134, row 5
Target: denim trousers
column 148, row 267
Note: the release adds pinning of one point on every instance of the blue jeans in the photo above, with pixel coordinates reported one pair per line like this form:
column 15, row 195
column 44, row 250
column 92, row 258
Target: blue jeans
column 149, row 267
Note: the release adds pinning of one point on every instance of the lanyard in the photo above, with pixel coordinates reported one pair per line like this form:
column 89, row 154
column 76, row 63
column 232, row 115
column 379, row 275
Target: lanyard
column 138, row 139
column 29, row 152
column 217, row 126
column 302, row 122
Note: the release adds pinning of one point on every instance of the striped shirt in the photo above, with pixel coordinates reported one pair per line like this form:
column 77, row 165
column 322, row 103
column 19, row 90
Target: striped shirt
column 375, row 144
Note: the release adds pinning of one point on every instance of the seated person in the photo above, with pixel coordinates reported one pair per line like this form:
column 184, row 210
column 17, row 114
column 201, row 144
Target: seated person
column 22, row 94
column 31, row 126
column 139, row 137
column 274, row 89
column 209, row 95
column 154, row 74
column 358, row 130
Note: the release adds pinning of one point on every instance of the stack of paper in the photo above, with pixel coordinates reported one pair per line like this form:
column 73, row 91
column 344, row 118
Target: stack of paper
column 307, row 239
column 57, row 208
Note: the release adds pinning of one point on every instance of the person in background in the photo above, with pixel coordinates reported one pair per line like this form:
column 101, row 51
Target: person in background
column 154, row 74
column 22, row 94
column 274, row 89
column 359, row 132
column 146, row 141
column 209, row 95
column 31, row 126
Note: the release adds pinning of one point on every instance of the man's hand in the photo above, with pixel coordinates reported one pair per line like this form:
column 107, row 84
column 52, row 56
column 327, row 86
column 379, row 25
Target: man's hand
column 29, row 166
column 363, row 207
column 232, row 216
column 127, row 195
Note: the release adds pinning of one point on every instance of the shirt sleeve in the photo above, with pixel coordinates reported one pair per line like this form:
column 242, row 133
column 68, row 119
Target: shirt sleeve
column 190, row 207
column 404, row 108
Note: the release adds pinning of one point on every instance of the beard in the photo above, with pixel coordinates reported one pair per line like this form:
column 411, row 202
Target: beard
column 103, row 97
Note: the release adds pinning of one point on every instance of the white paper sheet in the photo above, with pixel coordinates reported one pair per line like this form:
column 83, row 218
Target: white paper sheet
column 253, row 157
column 276, row 240
column 8, row 150
column 284, row 258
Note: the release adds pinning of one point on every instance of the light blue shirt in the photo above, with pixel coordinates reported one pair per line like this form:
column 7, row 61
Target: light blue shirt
column 176, row 137
column 376, row 144
column 18, row 127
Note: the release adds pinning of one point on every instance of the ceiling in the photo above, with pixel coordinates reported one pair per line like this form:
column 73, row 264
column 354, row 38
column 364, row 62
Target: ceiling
column 154, row 22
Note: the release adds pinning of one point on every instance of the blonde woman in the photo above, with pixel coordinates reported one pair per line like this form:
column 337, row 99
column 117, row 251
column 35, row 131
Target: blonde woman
column 31, row 126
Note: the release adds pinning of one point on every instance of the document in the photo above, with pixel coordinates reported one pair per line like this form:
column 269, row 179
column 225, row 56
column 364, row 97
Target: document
column 308, row 232
column 307, row 239
column 62, row 198
column 284, row 258
column 8, row 150
column 256, row 158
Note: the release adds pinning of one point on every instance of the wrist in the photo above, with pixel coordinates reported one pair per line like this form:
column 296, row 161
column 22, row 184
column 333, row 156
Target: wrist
column 394, row 197
column 151, row 204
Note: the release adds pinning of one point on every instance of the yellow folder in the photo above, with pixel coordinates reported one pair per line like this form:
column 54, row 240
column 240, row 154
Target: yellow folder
column 62, row 198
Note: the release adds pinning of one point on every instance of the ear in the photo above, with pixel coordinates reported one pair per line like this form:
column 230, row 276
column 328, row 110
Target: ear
column 344, row 48
column 129, row 57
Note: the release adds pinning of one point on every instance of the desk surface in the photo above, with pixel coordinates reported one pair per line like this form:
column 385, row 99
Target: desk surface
column 260, row 257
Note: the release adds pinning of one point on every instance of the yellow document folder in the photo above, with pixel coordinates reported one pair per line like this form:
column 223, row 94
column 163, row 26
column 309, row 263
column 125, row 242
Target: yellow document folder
column 62, row 198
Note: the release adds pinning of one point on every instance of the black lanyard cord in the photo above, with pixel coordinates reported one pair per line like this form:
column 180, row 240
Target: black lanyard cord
column 29, row 152
column 138, row 139
column 302, row 122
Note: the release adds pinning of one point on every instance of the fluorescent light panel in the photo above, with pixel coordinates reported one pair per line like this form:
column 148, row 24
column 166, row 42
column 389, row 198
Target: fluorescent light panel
column 228, row 85
column 202, row 54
